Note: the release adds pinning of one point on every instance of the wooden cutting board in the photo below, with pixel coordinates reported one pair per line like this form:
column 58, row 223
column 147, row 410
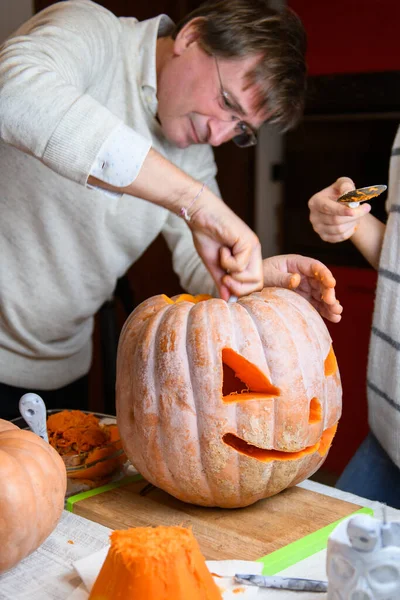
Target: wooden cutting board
column 245, row 533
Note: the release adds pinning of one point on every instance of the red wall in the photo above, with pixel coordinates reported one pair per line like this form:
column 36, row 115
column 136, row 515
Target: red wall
column 351, row 36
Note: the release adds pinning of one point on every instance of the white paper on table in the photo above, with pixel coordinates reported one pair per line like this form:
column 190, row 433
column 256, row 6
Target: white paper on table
column 48, row 574
column 89, row 567
column 312, row 567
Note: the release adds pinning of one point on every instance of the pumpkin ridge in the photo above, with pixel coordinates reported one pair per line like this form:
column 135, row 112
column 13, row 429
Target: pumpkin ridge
column 163, row 315
column 312, row 325
column 298, row 353
column 182, row 309
column 243, row 319
column 261, row 304
column 210, row 320
column 30, row 487
column 314, row 340
column 231, row 308
column 141, row 349
column 200, row 307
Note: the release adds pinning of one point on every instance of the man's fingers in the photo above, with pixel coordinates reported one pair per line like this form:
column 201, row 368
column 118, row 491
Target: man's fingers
column 331, row 313
column 328, row 296
column 239, row 289
column 234, row 263
column 241, row 257
column 294, row 281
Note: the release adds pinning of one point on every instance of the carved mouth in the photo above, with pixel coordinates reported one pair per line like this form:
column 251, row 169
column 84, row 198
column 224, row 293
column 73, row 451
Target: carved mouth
column 263, row 455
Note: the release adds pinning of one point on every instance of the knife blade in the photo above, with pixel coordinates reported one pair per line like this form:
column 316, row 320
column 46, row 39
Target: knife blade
column 283, row 583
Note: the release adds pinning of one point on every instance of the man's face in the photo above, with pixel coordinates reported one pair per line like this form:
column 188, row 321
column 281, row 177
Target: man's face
column 191, row 105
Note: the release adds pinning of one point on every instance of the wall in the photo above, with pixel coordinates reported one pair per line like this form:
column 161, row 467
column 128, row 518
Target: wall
column 350, row 36
column 12, row 14
column 268, row 191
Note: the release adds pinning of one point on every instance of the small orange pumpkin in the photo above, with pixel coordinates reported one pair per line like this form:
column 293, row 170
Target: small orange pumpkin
column 224, row 404
column 154, row 563
column 33, row 483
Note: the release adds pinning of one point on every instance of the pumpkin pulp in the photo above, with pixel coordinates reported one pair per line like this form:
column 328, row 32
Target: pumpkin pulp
column 154, row 563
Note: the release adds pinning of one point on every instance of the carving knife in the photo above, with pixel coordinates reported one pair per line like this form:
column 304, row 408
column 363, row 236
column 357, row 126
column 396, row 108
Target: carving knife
column 283, row 583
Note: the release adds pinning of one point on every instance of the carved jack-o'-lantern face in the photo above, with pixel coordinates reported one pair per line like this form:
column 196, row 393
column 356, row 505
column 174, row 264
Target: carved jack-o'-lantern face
column 223, row 404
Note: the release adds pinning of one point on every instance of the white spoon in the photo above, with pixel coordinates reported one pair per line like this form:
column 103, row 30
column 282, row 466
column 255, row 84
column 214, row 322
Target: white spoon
column 353, row 198
column 33, row 410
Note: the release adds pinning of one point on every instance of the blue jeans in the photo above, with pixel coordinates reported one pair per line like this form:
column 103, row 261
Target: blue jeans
column 372, row 474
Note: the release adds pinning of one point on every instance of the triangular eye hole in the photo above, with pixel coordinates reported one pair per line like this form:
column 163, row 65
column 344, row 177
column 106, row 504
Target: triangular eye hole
column 232, row 384
column 242, row 380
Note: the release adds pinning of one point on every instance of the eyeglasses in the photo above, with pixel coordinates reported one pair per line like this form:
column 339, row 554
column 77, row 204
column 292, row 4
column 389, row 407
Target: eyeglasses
column 245, row 135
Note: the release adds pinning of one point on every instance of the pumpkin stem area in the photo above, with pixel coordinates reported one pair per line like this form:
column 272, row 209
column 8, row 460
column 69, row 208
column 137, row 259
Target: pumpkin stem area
column 188, row 298
column 242, row 380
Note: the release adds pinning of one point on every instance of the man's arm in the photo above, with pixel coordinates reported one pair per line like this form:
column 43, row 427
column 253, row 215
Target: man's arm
column 222, row 240
column 46, row 70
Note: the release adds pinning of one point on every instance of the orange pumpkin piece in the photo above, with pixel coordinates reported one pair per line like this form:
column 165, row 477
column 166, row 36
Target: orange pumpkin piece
column 32, row 492
column 154, row 563
column 224, row 404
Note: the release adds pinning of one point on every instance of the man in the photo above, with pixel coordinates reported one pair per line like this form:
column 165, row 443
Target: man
column 106, row 127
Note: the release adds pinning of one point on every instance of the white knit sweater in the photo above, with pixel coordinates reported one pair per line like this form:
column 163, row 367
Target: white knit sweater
column 68, row 79
column 384, row 354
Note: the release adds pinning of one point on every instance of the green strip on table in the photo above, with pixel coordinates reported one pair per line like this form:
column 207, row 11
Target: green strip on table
column 69, row 504
column 300, row 549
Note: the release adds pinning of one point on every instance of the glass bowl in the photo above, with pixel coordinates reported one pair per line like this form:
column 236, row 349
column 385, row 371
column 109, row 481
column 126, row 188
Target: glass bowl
column 97, row 466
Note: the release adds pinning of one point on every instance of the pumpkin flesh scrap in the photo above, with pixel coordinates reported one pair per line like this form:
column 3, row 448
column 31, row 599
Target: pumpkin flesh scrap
column 264, row 455
column 154, row 563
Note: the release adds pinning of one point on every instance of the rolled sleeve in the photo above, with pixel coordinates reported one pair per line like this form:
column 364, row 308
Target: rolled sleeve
column 120, row 157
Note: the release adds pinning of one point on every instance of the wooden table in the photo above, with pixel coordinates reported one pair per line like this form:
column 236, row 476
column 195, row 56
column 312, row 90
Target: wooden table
column 246, row 533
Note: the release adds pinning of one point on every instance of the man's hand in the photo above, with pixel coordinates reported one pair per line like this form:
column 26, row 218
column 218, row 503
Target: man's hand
column 308, row 277
column 230, row 250
column 333, row 221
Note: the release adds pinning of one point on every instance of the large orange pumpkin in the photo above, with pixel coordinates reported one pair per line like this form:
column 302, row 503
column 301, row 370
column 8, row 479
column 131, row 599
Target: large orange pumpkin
column 33, row 482
column 223, row 404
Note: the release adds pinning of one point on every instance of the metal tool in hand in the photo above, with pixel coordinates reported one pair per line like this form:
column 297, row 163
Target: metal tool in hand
column 33, row 410
column 354, row 197
column 283, row 583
